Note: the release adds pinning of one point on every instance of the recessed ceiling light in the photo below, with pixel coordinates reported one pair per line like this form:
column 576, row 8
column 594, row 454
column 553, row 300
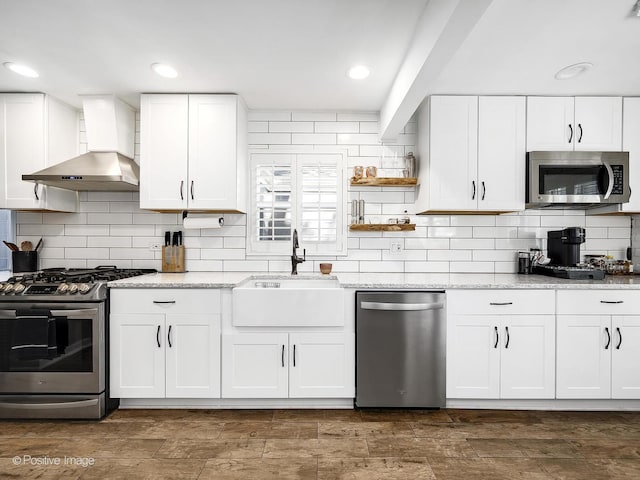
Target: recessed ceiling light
column 21, row 70
column 164, row 70
column 358, row 72
column 573, row 70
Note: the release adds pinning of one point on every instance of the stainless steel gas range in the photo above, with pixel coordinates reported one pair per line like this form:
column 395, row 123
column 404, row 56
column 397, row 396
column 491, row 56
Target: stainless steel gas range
column 54, row 343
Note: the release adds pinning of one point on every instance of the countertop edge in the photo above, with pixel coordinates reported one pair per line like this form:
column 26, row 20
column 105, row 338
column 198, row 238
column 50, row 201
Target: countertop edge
column 220, row 280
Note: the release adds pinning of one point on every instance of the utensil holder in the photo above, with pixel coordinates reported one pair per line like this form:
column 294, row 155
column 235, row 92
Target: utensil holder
column 173, row 259
column 24, row 261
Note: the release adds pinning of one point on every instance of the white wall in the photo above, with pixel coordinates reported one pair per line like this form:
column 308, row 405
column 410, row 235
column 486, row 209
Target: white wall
column 111, row 230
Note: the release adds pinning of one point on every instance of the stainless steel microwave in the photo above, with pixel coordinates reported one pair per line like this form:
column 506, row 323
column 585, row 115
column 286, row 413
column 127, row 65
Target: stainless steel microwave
column 577, row 179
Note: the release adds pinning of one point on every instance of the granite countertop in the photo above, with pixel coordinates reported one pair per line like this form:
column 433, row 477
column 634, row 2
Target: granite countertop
column 379, row 280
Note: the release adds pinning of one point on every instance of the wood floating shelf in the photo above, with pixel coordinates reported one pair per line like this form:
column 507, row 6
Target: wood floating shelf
column 382, row 227
column 384, row 182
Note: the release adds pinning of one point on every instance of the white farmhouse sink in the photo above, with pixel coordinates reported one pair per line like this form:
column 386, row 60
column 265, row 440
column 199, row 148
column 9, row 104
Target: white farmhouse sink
column 300, row 302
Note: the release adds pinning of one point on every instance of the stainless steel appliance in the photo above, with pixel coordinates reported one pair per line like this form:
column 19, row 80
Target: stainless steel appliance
column 54, row 343
column 400, row 349
column 577, row 179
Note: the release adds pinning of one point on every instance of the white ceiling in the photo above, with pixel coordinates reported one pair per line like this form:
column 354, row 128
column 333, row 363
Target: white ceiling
column 293, row 54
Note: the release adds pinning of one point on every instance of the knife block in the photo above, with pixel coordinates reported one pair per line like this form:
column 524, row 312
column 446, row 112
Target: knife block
column 173, row 258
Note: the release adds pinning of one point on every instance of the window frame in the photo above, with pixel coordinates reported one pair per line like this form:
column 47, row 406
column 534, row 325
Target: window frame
column 296, row 160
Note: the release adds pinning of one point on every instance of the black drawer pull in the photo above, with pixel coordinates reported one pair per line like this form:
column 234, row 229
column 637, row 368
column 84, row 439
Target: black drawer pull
column 612, row 301
column 500, row 303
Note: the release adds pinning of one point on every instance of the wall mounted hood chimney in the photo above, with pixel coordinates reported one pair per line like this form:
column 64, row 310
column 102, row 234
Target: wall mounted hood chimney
column 109, row 164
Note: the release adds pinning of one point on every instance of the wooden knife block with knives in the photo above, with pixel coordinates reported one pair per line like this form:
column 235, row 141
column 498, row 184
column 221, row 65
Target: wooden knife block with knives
column 173, row 253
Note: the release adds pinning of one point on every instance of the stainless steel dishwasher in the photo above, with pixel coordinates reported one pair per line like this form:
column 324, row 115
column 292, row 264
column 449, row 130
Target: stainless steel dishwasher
column 400, row 349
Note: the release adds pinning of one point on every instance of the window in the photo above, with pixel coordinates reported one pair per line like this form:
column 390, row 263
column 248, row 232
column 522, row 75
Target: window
column 297, row 191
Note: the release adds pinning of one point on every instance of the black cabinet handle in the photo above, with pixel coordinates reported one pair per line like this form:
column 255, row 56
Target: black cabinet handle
column 191, row 189
column 507, row 344
column 620, row 335
column 495, row 345
column 484, row 191
column 580, row 137
column 282, row 356
column 607, row 301
column 570, row 133
column 606, row 347
column 158, row 336
column 35, row 191
column 473, row 184
column 181, row 189
column 500, row 303
column 294, row 355
column 169, row 337
column 164, row 301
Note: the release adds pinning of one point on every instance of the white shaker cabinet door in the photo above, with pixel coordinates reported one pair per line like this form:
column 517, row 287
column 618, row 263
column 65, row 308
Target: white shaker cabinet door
column 527, row 362
column 473, row 356
column 625, row 353
column 321, row 365
column 598, row 124
column 212, row 151
column 453, row 159
column 137, row 355
column 164, row 127
column 255, row 365
column 550, row 123
column 584, row 344
column 501, row 153
column 192, row 356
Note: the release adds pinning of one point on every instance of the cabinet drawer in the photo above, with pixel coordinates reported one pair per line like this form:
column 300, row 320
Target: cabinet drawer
column 599, row 302
column 497, row 302
column 165, row 300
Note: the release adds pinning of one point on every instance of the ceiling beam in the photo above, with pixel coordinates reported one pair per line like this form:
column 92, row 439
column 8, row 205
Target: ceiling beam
column 441, row 29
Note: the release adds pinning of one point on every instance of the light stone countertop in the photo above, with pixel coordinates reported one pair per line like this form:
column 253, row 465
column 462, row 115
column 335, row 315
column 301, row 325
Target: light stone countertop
column 437, row 281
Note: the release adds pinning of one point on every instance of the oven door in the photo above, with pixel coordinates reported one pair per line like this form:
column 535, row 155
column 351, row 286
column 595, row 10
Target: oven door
column 52, row 348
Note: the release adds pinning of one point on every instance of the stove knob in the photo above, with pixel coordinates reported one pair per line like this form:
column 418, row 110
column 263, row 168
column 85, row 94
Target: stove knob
column 18, row 288
column 8, row 288
column 62, row 288
column 73, row 288
column 84, row 288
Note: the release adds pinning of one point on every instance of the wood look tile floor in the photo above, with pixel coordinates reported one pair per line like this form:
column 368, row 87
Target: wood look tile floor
column 328, row 444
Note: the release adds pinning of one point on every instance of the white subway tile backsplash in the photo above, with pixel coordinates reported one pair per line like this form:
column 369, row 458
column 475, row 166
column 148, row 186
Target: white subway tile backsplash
column 291, row 127
column 358, row 117
column 269, row 115
column 270, row 138
column 337, row 127
column 111, row 228
column 313, row 138
column 314, row 116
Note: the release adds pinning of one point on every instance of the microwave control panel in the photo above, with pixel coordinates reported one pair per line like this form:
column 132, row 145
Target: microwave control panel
column 618, row 179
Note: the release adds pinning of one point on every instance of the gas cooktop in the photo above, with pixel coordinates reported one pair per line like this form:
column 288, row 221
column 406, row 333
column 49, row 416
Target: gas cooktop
column 84, row 284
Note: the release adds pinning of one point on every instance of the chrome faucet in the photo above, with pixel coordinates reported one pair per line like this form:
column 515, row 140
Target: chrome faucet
column 295, row 259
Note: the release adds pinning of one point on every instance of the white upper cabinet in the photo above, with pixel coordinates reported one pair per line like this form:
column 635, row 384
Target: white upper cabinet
column 36, row 131
column 193, row 152
column 574, row 123
column 472, row 154
column 501, row 153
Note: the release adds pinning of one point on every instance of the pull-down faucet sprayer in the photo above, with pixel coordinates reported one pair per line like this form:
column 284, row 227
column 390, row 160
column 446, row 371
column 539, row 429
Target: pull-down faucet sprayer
column 295, row 259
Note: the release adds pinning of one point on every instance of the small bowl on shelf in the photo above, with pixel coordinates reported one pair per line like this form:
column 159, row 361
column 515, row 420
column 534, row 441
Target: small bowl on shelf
column 325, row 268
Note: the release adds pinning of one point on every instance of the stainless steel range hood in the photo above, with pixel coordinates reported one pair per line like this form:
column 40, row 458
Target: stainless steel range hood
column 108, row 165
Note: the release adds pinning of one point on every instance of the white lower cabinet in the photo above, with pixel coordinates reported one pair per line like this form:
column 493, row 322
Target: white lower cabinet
column 165, row 344
column 288, row 365
column 598, row 354
column 505, row 348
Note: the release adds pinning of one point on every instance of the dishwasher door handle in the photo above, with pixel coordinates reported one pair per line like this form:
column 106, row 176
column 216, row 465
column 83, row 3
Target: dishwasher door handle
column 400, row 306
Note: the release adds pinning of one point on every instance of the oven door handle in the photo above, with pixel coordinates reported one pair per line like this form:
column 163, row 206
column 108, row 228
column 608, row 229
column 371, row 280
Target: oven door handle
column 7, row 314
column 56, row 405
column 80, row 312
column 610, row 184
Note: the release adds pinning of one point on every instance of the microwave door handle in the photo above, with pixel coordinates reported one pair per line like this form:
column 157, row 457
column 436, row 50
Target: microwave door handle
column 610, row 184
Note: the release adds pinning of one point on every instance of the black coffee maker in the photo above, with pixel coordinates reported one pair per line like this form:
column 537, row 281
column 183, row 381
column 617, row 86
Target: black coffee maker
column 563, row 246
